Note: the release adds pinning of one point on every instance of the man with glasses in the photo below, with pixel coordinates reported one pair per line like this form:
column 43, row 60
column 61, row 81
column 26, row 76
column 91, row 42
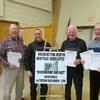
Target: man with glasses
column 12, row 73
column 95, row 75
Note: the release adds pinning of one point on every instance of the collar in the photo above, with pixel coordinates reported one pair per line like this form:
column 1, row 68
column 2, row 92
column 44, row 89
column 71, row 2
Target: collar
column 14, row 38
column 39, row 41
column 97, row 39
column 73, row 40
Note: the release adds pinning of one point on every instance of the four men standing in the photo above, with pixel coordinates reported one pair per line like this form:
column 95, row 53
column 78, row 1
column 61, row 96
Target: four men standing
column 12, row 73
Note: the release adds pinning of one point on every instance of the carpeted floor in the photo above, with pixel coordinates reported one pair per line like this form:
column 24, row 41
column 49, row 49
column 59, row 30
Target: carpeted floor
column 56, row 91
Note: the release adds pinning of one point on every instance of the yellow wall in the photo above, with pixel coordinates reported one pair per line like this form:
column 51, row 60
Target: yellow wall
column 42, row 4
column 48, row 34
column 28, row 12
column 56, row 11
column 80, row 12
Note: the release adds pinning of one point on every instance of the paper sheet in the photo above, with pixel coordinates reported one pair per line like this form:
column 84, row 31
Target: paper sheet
column 86, row 56
column 70, row 57
column 95, row 61
column 14, row 58
column 92, row 60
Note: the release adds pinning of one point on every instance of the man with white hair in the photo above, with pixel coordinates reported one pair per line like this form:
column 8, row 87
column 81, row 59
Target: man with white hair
column 74, row 43
column 11, row 72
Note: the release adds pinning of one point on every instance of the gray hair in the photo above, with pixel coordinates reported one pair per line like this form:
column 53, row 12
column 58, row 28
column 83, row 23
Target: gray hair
column 97, row 23
column 37, row 29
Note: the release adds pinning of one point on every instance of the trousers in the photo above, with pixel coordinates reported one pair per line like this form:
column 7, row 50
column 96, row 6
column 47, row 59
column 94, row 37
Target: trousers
column 33, row 92
column 75, row 74
column 94, row 85
column 10, row 77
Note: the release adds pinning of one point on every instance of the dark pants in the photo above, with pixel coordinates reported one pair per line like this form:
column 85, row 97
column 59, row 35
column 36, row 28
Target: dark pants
column 33, row 92
column 94, row 85
column 75, row 74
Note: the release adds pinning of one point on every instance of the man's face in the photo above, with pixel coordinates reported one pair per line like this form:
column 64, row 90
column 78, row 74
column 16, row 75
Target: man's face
column 38, row 35
column 14, row 31
column 71, row 34
column 97, row 31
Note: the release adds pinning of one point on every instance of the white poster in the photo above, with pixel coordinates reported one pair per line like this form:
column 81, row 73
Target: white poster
column 50, row 68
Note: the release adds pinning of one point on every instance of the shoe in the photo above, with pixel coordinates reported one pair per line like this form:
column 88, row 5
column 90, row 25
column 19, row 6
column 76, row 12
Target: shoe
column 22, row 99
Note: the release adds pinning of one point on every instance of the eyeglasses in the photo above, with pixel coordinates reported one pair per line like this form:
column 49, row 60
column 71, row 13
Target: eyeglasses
column 97, row 30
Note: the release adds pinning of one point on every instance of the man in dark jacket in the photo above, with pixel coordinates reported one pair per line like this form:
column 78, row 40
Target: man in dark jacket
column 29, row 60
column 73, row 43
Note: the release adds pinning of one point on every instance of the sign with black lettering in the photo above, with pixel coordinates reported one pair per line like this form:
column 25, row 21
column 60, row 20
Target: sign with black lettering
column 50, row 68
